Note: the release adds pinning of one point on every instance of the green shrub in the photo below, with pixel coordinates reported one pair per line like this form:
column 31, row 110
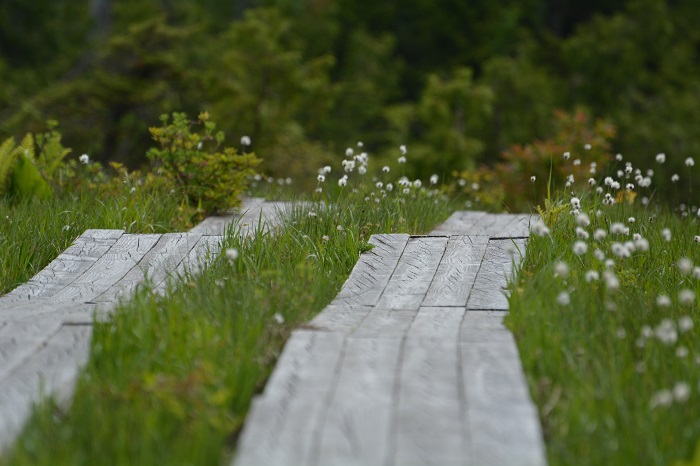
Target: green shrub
column 210, row 178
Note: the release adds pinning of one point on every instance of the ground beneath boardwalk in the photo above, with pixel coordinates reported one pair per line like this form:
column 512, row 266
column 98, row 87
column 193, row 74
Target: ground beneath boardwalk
column 410, row 364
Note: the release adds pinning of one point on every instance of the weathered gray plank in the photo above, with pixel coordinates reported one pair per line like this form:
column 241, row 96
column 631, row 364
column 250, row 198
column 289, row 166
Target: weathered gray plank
column 381, row 323
column 459, row 223
column 438, row 323
column 457, row 271
column 485, row 326
column 493, row 375
column 20, row 340
column 356, row 427
column 414, row 273
column 496, row 269
column 50, row 371
column 505, row 436
column 430, row 426
column 206, row 249
column 157, row 264
column 491, row 224
column 519, row 227
column 108, row 269
column 279, row 432
column 307, row 366
column 67, row 267
column 216, row 225
column 340, row 318
column 372, row 271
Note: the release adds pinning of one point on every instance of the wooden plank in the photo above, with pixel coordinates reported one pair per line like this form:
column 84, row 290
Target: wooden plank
column 108, row 269
column 216, row 225
column 20, row 340
column 519, row 227
column 279, row 432
column 505, row 436
column 372, row 271
column 157, row 264
column 51, row 370
column 430, row 428
column 356, row 428
column 385, row 324
column 307, row 366
column 491, row 224
column 457, row 271
column 67, row 267
column 459, row 223
column 496, row 268
column 340, row 318
column 485, row 326
column 205, row 251
column 414, row 274
column 493, row 375
column 437, row 323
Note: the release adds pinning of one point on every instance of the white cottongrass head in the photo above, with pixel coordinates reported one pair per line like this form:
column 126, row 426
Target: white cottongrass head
column 689, row 162
column 662, row 398
column 681, row 392
column 386, row 169
column 563, row 298
column 675, row 178
column 599, row 234
column 567, row 155
column 685, row 324
column 402, row 159
column 349, row 151
column 245, row 141
column 592, row 276
column 434, row 179
column 686, row 297
column 663, row 300
column 661, row 158
column 580, row 248
column 685, row 265
column 403, row 149
column 84, row 159
column 231, row 254
column 539, row 228
column 582, row 220
column 533, row 178
column 575, row 203
column 666, row 234
column 561, row 269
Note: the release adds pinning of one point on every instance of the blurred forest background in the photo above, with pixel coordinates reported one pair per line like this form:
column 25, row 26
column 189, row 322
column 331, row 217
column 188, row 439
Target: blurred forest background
column 462, row 83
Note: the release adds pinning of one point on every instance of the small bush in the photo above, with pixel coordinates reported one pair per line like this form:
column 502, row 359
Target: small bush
column 205, row 176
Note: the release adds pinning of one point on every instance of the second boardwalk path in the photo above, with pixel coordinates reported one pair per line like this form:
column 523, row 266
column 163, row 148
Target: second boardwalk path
column 410, row 364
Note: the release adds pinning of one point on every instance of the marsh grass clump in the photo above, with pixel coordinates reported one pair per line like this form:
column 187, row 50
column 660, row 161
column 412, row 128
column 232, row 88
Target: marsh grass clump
column 610, row 346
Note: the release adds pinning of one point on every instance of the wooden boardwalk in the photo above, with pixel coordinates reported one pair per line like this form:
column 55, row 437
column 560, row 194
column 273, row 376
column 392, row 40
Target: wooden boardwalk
column 46, row 323
column 410, row 364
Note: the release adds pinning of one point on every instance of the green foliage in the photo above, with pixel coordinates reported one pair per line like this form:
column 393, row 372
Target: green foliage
column 452, row 115
column 545, row 160
column 210, row 178
column 19, row 175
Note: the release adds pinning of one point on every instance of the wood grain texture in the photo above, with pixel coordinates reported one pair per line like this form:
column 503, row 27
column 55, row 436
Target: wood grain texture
column 493, row 375
column 441, row 323
column 381, row 323
column 414, row 273
column 356, row 427
column 344, row 318
column 505, row 436
column 111, row 267
column 519, row 227
column 496, row 269
column 157, row 265
column 66, row 268
column 372, row 271
column 429, row 425
column 52, row 370
column 456, row 273
column 216, row 225
column 459, row 223
column 307, row 366
column 279, row 432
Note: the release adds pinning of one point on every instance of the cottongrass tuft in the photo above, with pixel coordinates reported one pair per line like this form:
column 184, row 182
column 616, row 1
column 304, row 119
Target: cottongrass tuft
column 663, row 300
column 561, row 269
column 563, row 298
column 686, row 297
column 580, row 248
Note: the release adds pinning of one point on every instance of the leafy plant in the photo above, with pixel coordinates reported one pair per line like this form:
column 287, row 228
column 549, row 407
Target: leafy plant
column 210, row 178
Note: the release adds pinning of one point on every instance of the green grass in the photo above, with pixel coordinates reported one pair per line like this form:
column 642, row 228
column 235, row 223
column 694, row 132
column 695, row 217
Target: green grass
column 595, row 378
column 170, row 379
column 34, row 232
